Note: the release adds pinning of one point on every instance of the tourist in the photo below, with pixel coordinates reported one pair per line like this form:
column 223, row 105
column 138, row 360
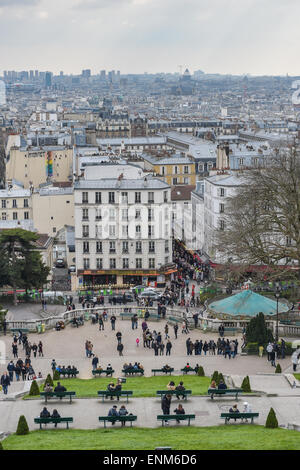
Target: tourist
column 123, row 412
column 180, row 388
column 95, row 361
column 113, row 319
column 168, row 348
column 45, row 413
column 5, row 382
column 171, row 385
column 113, row 413
column 165, row 405
column 295, row 358
column 269, row 350
column 222, row 385
column 55, row 415
column 179, row 411
column 60, row 389
column 120, row 348
column 233, row 409
column 175, row 330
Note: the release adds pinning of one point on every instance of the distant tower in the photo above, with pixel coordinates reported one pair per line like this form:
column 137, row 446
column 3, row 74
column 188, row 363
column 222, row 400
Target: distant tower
column 2, row 93
column 48, row 79
column 186, row 77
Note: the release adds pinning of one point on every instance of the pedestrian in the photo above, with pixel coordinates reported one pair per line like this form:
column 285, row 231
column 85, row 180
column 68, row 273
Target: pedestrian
column 5, row 382
column 168, row 348
column 120, row 348
column 295, row 358
column 175, row 330
column 269, row 350
column 137, row 342
column 113, row 322
column 40, row 349
column 165, row 405
column 95, row 361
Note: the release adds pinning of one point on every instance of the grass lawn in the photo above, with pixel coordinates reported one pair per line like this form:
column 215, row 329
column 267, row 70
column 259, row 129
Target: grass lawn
column 297, row 376
column 229, row 437
column 141, row 386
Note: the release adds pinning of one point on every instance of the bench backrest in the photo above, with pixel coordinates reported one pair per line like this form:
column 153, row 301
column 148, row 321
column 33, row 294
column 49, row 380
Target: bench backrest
column 118, row 418
column 224, row 390
column 173, row 392
column 239, row 415
column 165, row 417
column 118, row 392
column 57, row 394
column 133, row 370
column 53, row 420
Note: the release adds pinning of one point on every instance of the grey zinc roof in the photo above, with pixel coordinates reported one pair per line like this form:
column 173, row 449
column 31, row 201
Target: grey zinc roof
column 112, row 183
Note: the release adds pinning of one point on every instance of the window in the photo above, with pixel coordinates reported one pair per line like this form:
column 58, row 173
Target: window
column 138, row 247
column 14, row 203
column 124, row 230
column 166, row 246
column 112, row 247
column 124, row 198
column 112, row 214
column 112, row 230
column 85, row 214
column 112, row 263
column 137, row 198
column 176, row 170
column 241, row 161
column 54, row 229
column 221, row 192
column 99, row 263
column 175, row 181
column 98, row 214
column 150, row 230
column 125, row 263
column 3, row 204
column 165, row 196
column 138, row 263
column 99, row 247
column 85, row 198
column 186, row 180
column 138, row 214
column 111, row 198
column 151, row 263
column 124, row 214
column 163, row 170
column 26, row 215
column 86, row 247
column 222, row 224
column 25, row 202
column 151, row 247
column 138, row 231
column 98, row 231
column 150, row 214
column 15, row 216
column 85, row 231
column 150, row 198
column 166, row 260
column 86, row 263
column 186, row 169
column 97, row 198
column 125, row 247
column 222, row 208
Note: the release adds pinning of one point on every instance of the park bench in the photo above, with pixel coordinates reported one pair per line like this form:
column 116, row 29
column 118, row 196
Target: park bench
column 228, row 391
column 185, row 370
column 126, row 315
column 228, row 416
column 69, row 373
column 230, row 330
column 174, row 320
column 60, row 395
column 122, row 419
column 16, row 330
column 45, row 421
column 161, row 393
column 118, row 394
column 133, row 371
column 103, row 371
column 164, row 418
column 169, row 371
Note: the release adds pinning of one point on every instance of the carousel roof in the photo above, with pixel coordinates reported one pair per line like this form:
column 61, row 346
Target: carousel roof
column 247, row 303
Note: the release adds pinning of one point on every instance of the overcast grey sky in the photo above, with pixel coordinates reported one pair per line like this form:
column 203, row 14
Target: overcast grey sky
column 224, row 36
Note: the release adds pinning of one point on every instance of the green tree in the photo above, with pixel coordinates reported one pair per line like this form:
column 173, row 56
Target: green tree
column 271, row 421
column 22, row 428
column 200, row 372
column 246, row 385
column 220, row 377
column 215, row 376
column 56, row 375
column 257, row 331
column 278, row 369
column 22, row 263
column 48, row 381
column 34, row 389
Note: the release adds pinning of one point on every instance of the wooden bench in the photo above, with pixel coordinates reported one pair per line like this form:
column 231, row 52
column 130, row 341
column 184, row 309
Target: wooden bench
column 228, row 391
column 45, row 421
column 185, row 370
column 118, row 394
column 169, row 371
column 103, row 371
column 133, row 371
column 69, row 373
column 161, row 393
column 164, row 418
column 60, row 395
column 228, row 416
column 122, row 419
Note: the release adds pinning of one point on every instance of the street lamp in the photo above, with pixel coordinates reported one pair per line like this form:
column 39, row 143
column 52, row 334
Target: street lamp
column 277, row 295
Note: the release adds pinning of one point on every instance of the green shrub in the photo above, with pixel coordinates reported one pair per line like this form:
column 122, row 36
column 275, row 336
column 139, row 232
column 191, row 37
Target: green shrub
column 1, row 446
column 48, row 381
column 257, row 330
column 246, row 385
column 271, row 420
column 278, row 369
column 201, row 372
column 251, row 348
column 34, row 389
column 56, row 375
column 215, row 376
column 22, row 428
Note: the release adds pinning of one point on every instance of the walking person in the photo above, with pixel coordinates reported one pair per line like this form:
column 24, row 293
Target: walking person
column 168, row 348
column 120, row 348
column 175, row 330
column 5, row 382
column 295, row 359
column 269, row 350
column 165, row 405
column 113, row 322
column 40, row 349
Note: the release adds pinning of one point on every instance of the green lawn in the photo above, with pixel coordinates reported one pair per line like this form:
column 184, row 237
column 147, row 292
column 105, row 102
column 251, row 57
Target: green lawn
column 229, row 437
column 141, row 386
column 297, row 376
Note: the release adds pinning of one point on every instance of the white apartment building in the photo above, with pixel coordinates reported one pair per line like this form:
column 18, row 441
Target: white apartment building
column 16, row 208
column 122, row 228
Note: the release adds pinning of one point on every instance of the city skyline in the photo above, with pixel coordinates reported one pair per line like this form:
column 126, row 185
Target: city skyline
column 137, row 36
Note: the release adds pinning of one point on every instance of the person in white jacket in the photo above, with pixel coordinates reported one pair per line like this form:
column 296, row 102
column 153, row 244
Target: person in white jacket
column 295, row 358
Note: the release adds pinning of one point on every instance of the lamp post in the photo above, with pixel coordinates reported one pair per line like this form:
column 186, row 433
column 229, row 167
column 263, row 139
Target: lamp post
column 277, row 295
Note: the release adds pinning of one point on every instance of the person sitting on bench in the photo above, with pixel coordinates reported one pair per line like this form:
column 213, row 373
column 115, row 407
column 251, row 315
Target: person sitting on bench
column 111, row 388
column 109, row 367
column 234, row 409
column 222, row 385
column 48, row 388
column 171, row 385
column 166, row 368
column 45, row 413
column 126, row 366
column 181, row 388
column 247, row 409
column 60, row 388
column 55, row 414
column 213, row 384
column 179, row 411
column 113, row 412
column 123, row 412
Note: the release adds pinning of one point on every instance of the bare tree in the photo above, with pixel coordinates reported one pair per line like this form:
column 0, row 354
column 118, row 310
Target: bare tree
column 262, row 219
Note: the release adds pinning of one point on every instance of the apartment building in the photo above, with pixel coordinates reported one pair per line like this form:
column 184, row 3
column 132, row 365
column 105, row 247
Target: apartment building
column 122, row 228
column 16, row 208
